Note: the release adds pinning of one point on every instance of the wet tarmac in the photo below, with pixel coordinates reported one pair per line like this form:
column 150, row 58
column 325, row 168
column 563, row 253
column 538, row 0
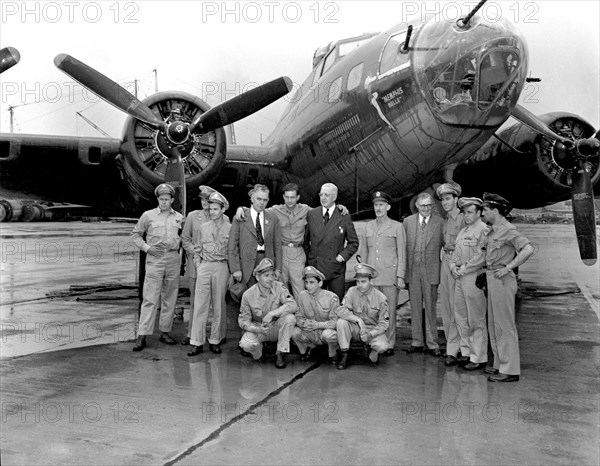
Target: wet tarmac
column 73, row 392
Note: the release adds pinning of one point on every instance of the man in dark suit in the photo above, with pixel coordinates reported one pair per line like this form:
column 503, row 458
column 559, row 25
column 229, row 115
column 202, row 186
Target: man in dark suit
column 254, row 238
column 325, row 237
column 423, row 244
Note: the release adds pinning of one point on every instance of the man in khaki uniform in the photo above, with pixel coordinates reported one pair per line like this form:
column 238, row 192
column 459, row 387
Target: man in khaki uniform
column 448, row 194
column 267, row 314
column 363, row 314
column 316, row 317
column 469, row 301
column 506, row 249
column 383, row 246
column 210, row 260
column 189, row 237
column 161, row 226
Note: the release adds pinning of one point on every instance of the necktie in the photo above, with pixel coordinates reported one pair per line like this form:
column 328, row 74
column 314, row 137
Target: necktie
column 326, row 217
column 259, row 234
column 423, row 223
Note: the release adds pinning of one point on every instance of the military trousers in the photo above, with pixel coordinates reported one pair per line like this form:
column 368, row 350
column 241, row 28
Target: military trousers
column 161, row 285
column 305, row 339
column 391, row 293
column 454, row 340
column 279, row 330
column 470, row 308
column 211, row 286
column 347, row 331
column 294, row 260
column 504, row 338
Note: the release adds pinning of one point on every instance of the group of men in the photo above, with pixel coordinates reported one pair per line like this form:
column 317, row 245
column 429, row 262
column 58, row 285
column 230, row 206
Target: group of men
column 270, row 251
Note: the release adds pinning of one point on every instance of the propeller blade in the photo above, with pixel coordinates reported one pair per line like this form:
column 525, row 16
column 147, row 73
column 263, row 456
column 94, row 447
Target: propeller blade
column 242, row 105
column 529, row 119
column 107, row 89
column 175, row 176
column 582, row 197
column 9, row 57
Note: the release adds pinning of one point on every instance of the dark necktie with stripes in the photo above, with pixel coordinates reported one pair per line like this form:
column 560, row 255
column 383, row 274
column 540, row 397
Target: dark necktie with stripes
column 259, row 233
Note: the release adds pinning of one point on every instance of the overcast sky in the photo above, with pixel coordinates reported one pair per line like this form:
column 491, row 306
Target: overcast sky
column 215, row 49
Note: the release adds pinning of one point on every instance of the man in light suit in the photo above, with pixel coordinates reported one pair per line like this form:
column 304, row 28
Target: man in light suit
column 256, row 237
column 327, row 230
column 423, row 245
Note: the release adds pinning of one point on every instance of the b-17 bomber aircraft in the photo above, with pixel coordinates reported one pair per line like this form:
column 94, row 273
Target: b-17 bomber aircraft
column 396, row 111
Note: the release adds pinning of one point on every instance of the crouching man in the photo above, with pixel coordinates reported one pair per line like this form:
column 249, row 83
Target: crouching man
column 316, row 316
column 267, row 314
column 363, row 314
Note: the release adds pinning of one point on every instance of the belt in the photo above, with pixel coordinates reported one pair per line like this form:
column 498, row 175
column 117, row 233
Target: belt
column 260, row 252
column 222, row 260
column 293, row 245
column 495, row 267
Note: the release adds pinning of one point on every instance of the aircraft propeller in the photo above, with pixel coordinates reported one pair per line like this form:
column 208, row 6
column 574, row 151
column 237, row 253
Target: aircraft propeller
column 577, row 153
column 176, row 132
column 9, row 57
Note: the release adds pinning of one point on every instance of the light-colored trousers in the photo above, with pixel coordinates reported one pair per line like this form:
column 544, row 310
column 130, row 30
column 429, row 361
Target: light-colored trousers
column 311, row 338
column 160, row 285
column 280, row 330
column 391, row 293
column 469, row 310
column 211, row 286
column 421, row 291
column 347, row 331
column 294, row 260
column 454, row 339
column 192, row 287
column 504, row 338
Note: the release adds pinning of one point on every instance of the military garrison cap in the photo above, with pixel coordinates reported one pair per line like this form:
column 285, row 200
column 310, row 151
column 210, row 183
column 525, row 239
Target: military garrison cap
column 495, row 200
column 467, row 201
column 448, row 188
column 164, row 188
column 310, row 271
column 381, row 196
column 362, row 270
column 263, row 266
column 217, row 198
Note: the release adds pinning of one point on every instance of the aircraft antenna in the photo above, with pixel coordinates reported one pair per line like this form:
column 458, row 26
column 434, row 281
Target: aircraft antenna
column 464, row 23
column 11, row 111
column 135, row 88
column 93, row 125
column 155, row 71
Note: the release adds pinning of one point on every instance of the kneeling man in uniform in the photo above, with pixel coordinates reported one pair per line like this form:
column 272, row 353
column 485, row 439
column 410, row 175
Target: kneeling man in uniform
column 316, row 316
column 267, row 314
column 363, row 314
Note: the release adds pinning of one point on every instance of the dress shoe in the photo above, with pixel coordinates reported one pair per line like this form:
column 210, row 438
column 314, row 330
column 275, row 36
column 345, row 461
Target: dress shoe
column 305, row 356
column 503, row 378
column 185, row 341
column 245, row 353
column 415, row 349
column 343, row 361
column 434, row 352
column 166, row 339
column 336, row 357
column 389, row 352
column 196, row 350
column 140, row 343
column 462, row 360
column 214, row 349
column 279, row 360
column 450, row 361
column 474, row 366
column 490, row 370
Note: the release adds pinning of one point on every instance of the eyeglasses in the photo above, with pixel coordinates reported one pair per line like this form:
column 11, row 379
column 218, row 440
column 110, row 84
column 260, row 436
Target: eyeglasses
column 426, row 206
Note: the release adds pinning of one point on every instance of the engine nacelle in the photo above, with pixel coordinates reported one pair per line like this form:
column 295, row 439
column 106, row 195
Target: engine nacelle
column 537, row 173
column 144, row 152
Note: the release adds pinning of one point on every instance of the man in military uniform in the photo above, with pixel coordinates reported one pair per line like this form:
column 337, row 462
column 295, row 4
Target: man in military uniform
column 316, row 316
column 469, row 301
column 506, row 249
column 162, row 226
column 448, row 193
column 384, row 247
column 189, row 237
column 267, row 314
column 423, row 244
column 363, row 314
column 210, row 260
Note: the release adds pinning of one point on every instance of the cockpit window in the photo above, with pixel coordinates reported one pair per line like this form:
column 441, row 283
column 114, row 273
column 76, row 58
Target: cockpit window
column 496, row 69
column 391, row 57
